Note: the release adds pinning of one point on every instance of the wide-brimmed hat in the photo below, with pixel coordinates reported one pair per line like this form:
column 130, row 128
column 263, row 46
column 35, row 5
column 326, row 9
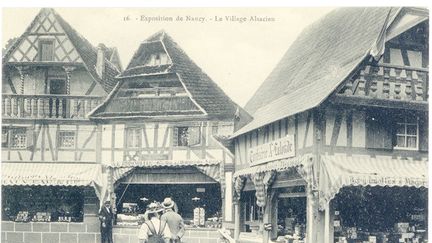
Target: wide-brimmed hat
column 154, row 208
column 168, row 203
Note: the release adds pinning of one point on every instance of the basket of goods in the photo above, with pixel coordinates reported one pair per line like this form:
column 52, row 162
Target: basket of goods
column 22, row 216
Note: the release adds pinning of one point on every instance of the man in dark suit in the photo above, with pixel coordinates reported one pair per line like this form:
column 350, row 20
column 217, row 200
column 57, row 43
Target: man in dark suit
column 106, row 218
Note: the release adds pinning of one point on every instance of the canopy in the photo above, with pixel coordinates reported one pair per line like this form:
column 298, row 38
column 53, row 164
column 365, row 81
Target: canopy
column 52, row 174
column 212, row 168
column 339, row 171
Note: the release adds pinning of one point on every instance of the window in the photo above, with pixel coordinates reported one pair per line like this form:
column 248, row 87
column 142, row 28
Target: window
column 187, row 136
column 5, row 137
column 386, row 130
column 46, row 50
column 66, row 139
column 19, row 138
column 57, row 86
column 157, row 59
column 133, row 137
column 407, row 130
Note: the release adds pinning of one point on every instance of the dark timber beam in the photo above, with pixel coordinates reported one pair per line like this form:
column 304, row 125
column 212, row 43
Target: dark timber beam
column 373, row 102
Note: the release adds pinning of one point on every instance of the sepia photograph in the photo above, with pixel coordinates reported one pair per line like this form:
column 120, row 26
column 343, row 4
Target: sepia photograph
column 215, row 125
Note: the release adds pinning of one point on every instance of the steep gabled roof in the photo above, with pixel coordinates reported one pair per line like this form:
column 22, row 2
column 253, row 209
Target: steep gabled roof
column 197, row 84
column 85, row 49
column 322, row 57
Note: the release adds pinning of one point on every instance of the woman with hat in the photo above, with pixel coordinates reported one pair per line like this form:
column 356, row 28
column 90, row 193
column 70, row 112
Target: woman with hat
column 154, row 230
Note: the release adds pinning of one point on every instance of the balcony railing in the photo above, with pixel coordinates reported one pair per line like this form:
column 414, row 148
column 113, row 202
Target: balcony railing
column 48, row 106
column 388, row 81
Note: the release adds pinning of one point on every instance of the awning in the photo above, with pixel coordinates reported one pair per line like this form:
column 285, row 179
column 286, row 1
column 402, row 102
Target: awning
column 211, row 168
column 278, row 165
column 52, row 174
column 340, row 171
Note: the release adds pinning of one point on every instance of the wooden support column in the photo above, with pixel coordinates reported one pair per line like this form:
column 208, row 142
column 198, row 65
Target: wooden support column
column 270, row 216
column 314, row 218
column 327, row 224
column 99, row 143
column 236, row 219
column 68, row 70
column 23, row 72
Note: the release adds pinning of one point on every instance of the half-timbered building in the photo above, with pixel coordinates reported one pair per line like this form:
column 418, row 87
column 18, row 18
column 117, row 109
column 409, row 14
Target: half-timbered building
column 164, row 131
column 338, row 140
column 51, row 171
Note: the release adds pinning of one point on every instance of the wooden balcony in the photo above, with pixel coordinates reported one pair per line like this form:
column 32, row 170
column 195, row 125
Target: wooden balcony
column 387, row 83
column 48, row 106
column 152, row 104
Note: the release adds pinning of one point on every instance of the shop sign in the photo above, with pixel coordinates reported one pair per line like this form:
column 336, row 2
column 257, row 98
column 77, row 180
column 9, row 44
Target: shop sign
column 200, row 189
column 278, row 149
column 41, row 180
column 387, row 181
column 163, row 161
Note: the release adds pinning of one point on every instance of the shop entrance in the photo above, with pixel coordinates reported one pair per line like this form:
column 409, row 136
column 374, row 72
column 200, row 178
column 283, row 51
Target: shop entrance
column 188, row 187
column 291, row 212
column 187, row 197
column 380, row 214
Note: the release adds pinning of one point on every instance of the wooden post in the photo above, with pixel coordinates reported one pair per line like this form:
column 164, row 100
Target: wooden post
column 236, row 219
column 68, row 70
column 23, row 71
column 327, row 224
column 99, row 144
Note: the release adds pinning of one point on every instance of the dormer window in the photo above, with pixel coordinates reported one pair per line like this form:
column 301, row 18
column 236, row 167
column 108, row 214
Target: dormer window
column 46, row 50
column 157, row 59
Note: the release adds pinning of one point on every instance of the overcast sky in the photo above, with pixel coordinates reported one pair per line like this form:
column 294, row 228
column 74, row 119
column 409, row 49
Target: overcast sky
column 237, row 55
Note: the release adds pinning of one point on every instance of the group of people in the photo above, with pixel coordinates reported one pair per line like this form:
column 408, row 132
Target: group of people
column 162, row 223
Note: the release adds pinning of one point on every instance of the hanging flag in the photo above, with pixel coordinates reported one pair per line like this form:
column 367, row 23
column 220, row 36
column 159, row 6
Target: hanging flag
column 378, row 47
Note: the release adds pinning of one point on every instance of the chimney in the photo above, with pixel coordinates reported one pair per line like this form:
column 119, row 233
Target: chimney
column 100, row 62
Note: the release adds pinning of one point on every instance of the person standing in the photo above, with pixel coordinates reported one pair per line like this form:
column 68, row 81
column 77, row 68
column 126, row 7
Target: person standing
column 154, row 230
column 106, row 217
column 174, row 221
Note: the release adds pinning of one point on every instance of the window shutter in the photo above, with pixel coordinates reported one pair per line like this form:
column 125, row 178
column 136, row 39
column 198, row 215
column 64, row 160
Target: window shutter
column 423, row 133
column 175, row 136
column 5, row 137
column 194, row 135
column 29, row 138
column 379, row 131
column 47, row 50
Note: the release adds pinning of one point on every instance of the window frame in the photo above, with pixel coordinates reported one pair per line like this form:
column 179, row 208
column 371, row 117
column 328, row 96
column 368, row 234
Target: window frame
column 6, row 131
column 405, row 123
column 177, row 136
column 128, row 133
column 13, row 133
column 44, row 41
column 60, row 145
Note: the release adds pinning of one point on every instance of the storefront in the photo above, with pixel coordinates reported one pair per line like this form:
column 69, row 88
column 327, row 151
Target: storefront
column 195, row 186
column 374, row 199
column 42, row 198
column 272, row 200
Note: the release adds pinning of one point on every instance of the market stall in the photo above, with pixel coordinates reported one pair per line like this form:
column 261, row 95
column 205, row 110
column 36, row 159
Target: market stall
column 196, row 187
column 47, row 192
column 394, row 189
column 272, row 200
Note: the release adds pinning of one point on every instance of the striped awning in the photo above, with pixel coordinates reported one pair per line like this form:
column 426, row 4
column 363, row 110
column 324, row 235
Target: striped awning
column 278, row 165
column 211, row 168
column 340, row 171
column 51, row 174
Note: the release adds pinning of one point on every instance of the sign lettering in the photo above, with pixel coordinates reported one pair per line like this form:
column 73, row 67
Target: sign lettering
column 278, row 149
